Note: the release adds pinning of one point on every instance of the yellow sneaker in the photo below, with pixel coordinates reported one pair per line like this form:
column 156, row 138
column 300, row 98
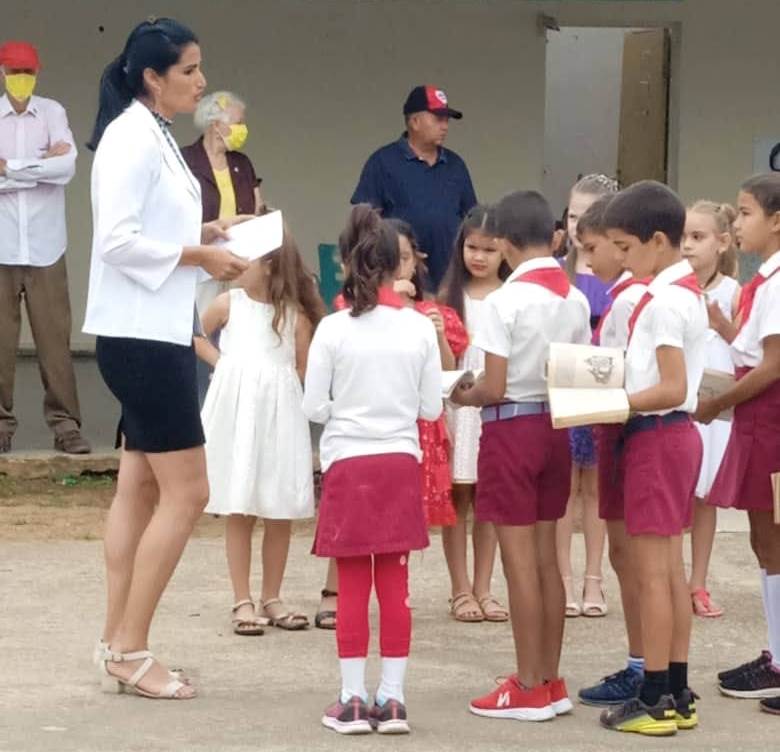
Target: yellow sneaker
column 685, row 715
column 636, row 717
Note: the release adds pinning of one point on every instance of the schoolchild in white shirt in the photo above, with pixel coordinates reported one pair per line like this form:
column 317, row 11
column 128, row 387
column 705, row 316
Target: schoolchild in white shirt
column 524, row 465
column 661, row 448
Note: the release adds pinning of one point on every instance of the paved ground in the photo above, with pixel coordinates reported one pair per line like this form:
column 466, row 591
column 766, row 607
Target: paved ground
column 267, row 693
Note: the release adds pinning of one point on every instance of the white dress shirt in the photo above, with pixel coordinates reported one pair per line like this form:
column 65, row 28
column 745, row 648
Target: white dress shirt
column 369, row 379
column 145, row 209
column 519, row 322
column 614, row 329
column 675, row 317
column 32, row 191
column 747, row 349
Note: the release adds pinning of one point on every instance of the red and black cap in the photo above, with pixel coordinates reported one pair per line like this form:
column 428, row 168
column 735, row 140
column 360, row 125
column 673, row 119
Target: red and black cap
column 429, row 99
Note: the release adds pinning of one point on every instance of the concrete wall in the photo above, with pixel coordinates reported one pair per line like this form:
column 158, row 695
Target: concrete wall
column 326, row 79
column 582, row 107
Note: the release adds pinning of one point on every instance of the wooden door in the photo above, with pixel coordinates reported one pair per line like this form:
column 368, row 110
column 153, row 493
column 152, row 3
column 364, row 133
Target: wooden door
column 644, row 107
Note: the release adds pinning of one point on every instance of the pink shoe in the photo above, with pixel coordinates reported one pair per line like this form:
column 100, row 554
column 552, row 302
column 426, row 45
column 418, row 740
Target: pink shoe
column 703, row 606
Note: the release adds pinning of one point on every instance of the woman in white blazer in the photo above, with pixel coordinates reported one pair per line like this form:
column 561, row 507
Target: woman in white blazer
column 149, row 249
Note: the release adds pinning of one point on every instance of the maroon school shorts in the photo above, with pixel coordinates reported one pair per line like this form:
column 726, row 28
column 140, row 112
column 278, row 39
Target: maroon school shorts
column 524, row 471
column 662, row 466
column 611, row 472
column 744, row 479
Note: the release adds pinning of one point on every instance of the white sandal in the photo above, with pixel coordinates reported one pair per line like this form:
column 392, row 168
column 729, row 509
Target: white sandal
column 115, row 684
column 102, row 647
column 591, row 609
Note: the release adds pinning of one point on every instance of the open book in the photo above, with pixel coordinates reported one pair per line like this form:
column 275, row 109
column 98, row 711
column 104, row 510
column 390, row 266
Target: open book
column 713, row 384
column 585, row 385
column 256, row 237
column 451, row 380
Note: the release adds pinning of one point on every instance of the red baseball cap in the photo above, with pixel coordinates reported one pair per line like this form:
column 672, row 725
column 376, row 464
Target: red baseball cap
column 429, row 99
column 19, row 55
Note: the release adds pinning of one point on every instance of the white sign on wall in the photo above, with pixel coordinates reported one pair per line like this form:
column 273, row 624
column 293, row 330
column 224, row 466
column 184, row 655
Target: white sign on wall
column 766, row 154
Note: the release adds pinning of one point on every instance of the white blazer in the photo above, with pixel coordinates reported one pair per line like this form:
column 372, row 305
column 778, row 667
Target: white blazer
column 146, row 207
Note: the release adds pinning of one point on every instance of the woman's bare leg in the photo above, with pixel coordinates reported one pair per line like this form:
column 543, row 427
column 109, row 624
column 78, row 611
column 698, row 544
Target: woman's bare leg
column 276, row 546
column 238, row 547
column 702, row 538
column 453, row 540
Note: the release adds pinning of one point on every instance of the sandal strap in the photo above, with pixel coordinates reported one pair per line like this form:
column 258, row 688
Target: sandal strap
column 270, row 602
column 142, row 671
column 593, row 577
column 460, row 597
column 137, row 655
column 325, row 593
column 171, row 688
column 245, row 602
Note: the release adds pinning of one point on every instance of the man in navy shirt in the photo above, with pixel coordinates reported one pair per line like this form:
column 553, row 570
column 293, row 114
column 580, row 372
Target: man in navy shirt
column 416, row 179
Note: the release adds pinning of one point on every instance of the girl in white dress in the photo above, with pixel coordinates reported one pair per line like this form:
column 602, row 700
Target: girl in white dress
column 258, row 446
column 475, row 271
column 709, row 246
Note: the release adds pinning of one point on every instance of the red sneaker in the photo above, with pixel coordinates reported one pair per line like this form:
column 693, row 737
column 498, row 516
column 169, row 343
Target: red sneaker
column 559, row 695
column 511, row 700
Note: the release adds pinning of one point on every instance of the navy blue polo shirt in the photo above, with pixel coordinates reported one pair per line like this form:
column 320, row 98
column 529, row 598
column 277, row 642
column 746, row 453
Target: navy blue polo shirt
column 433, row 199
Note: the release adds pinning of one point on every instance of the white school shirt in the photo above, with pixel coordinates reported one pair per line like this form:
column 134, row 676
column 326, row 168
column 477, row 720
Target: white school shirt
column 369, row 378
column 145, row 208
column 32, row 191
column 519, row 322
column 747, row 349
column 675, row 317
column 614, row 330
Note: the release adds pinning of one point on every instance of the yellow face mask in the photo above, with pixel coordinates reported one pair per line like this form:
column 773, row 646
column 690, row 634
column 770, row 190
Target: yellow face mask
column 20, row 85
column 237, row 136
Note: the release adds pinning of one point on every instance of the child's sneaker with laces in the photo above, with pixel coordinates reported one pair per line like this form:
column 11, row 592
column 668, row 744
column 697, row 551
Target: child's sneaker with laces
column 512, row 700
column 350, row 717
column 758, row 683
column 636, row 717
column 614, row 689
column 685, row 715
column 765, row 657
column 389, row 718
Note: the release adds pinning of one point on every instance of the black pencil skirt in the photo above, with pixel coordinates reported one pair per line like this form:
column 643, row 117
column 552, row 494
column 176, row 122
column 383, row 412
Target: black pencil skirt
column 156, row 386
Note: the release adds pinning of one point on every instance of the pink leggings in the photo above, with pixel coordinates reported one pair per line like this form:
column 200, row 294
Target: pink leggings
column 390, row 575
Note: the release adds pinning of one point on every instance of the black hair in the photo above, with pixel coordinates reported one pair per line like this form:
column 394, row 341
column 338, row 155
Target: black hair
column 765, row 189
column 373, row 257
column 524, row 218
column 593, row 218
column 646, row 208
column 155, row 44
column 453, row 287
column 420, row 277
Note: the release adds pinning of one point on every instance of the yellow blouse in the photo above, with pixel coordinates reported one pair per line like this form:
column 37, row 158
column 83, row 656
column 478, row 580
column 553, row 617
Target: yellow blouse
column 227, row 196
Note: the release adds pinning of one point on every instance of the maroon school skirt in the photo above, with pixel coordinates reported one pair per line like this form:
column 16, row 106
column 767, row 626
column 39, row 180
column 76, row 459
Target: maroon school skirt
column 371, row 505
column 752, row 454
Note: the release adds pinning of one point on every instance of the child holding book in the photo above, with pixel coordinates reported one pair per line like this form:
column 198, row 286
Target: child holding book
column 661, row 449
column 708, row 245
column 371, row 513
column 258, row 447
column 744, row 479
column 624, row 290
column 476, row 269
column 524, row 464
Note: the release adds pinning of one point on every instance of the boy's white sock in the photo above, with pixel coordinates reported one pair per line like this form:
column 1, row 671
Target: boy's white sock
column 773, row 617
column 392, row 685
column 353, row 678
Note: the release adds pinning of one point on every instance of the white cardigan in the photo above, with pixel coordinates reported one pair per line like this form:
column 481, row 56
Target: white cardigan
column 146, row 207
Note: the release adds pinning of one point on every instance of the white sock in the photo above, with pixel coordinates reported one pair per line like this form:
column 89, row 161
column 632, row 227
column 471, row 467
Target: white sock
column 353, row 678
column 765, row 601
column 773, row 617
column 392, row 685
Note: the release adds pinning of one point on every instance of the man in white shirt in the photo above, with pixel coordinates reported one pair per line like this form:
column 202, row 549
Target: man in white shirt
column 37, row 161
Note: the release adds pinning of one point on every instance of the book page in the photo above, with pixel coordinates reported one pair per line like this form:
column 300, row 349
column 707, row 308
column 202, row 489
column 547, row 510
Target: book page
column 451, row 380
column 713, row 384
column 256, row 237
column 585, row 367
column 587, row 407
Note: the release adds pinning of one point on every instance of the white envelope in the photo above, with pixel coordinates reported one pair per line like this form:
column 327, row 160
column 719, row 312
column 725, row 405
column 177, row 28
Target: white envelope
column 256, row 237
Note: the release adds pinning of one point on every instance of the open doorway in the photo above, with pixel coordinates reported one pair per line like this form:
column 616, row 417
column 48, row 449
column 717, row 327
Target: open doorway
column 606, row 106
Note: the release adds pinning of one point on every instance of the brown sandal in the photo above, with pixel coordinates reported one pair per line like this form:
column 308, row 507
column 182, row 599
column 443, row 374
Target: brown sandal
column 326, row 619
column 493, row 609
column 289, row 620
column 463, row 604
column 252, row 627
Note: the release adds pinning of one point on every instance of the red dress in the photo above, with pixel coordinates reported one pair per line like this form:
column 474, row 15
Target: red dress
column 434, row 436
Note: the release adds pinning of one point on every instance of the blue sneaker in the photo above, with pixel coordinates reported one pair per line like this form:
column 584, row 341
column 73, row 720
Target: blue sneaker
column 615, row 689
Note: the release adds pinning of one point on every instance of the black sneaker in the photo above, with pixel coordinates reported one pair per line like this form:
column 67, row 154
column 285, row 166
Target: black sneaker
column 685, row 715
column 614, row 689
column 772, row 705
column 389, row 718
column 765, row 657
column 636, row 717
column 761, row 682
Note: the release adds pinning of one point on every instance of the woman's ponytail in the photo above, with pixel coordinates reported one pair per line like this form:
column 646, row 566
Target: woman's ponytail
column 115, row 95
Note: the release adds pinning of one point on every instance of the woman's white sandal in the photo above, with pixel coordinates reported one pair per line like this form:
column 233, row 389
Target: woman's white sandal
column 115, row 684
column 102, row 647
column 593, row 609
